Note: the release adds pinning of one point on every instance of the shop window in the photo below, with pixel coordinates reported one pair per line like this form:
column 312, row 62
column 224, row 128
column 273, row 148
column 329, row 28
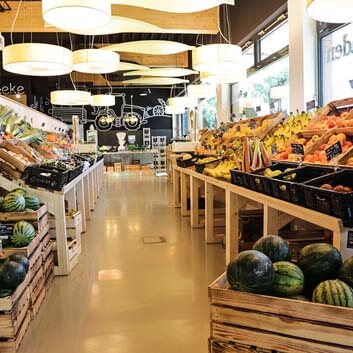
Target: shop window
column 257, row 93
column 274, row 41
column 249, row 57
column 208, row 109
column 336, row 49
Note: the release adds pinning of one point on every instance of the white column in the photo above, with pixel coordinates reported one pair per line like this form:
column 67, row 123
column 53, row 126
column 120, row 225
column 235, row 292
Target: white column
column 223, row 103
column 303, row 59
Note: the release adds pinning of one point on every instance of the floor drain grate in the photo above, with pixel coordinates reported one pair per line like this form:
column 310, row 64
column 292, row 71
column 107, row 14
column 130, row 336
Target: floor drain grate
column 154, row 240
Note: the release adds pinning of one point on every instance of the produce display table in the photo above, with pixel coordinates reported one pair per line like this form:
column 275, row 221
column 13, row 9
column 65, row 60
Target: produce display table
column 277, row 213
column 80, row 194
column 126, row 157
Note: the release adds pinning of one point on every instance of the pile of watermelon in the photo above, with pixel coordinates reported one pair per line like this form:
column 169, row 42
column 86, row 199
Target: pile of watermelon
column 18, row 200
column 319, row 275
column 13, row 272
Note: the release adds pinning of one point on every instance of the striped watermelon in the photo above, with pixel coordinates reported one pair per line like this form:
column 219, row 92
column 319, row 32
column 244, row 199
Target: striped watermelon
column 23, row 234
column 32, row 202
column 20, row 191
column 346, row 272
column 14, row 202
column 289, row 279
column 275, row 247
column 334, row 292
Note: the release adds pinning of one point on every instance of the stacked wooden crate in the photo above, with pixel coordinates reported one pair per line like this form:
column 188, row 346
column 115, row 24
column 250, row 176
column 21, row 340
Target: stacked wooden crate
column 73, row 231
column 17, row 310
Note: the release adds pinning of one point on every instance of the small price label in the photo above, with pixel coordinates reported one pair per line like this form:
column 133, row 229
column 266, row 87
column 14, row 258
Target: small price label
column 298, row 148
column 274, row 149
column 238, row 128
column 350, row 240
column 224, row 147
column 252, row 124
column 272, row 105
column 333, row 151
column 311, row 105
column 208, row 147
column 258, row 108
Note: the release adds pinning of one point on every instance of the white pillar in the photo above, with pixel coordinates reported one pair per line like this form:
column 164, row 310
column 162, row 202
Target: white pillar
column 303, row 59
column 223, row 103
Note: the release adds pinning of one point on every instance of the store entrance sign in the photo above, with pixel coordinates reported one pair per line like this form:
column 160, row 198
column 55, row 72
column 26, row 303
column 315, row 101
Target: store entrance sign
column 12, row 89
column 343, row 49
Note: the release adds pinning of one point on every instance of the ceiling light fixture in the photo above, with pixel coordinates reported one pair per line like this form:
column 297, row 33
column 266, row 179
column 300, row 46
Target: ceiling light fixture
column 215, row 57
column 77, row 14
column 95, row 61
column 202, row 91
column 150, row 47
column 180, row 6
column 155, row 81
column 70, row 97
column 103, row 100
column 234, row 75
column 125, row 66
column 162, row 72
column 37, row 59
column 338, row 11
column 185, row 102
column 171, row 110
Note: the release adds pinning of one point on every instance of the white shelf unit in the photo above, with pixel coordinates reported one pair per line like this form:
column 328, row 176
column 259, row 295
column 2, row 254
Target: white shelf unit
column 159, row 143
column 146, row 132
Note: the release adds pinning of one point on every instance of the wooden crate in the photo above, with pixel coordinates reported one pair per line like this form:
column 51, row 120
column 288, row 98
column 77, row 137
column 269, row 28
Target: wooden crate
column 12, row 345
column 48, row 266
column 35, row 262
column 38, row 303
column 117, row 167
column 74, row 226
column 36, row 285
column 33, row 217
column 74, row 251
column 129, row 167
column 277, row 324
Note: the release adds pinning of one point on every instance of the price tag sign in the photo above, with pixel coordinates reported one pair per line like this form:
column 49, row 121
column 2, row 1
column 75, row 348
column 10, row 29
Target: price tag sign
column 311, row 105
column 208, row 147
column 252, row 124
column 350, row 240
column 272, row 105
column 333, row 151
column 258, row 108
column 224, row 147
column 274, row 149
column 297, row 148
column 238, row 128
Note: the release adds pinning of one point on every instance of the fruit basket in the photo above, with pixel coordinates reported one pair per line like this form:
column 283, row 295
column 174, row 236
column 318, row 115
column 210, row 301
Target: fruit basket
column 46, row 177
column 240, row 178
column 74, row 173
column 332, row 194
column 288, row 186
column 201, row 164
column 186, row 163
column 260, row 180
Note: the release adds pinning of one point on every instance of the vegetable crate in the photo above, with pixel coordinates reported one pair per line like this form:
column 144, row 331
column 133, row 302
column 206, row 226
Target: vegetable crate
column 74, row 251
column 243, row 322
column 14, row 318
column 73, row 226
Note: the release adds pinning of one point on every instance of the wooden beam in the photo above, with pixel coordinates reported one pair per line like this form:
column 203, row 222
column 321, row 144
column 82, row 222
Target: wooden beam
column 30, row 19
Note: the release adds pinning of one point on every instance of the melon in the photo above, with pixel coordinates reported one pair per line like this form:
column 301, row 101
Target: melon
column 32, row 202
column 320, row 262
column 14, row 202
column 23, row 234
column 289, row 279
column 20, row 191
column 21, row 259
column 251, row 271
column 334, row 292
column 275, row 247
column 12, row 274
column 346, row 272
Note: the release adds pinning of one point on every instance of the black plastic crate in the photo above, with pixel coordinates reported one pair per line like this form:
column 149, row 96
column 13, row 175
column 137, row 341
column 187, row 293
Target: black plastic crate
column 288, row 186
column 200, row 167
column 240, row 178
column 46, row 177
column 186, row 163
column 74, row 173
column 261, row 183
column 337, row 204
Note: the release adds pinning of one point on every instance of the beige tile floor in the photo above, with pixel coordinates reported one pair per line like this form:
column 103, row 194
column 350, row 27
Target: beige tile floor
column 127, row 297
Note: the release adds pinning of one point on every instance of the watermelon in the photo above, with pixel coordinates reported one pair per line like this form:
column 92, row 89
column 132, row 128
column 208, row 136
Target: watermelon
column 275, row 247
column 334, row 292
column 320, row 262
column 251, row 271
column 5, row 293
column 32, row 202
column 21, row 259
column 12, row 274
column 346, row 272
column 21, row 191
column 289, row 279
column 23, row 234
column 14, row 202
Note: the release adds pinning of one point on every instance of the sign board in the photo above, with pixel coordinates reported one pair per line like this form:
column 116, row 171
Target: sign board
column 297, row 148
column 334, row 150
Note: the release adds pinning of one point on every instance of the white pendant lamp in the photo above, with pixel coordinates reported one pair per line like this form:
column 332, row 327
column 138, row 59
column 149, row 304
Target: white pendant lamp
column 125, row 66
column 70, row 97
column 96, row 61
column 37, row 59
column 331, row 11
column 155, row 81
column 184, row 102
column 77, row 14
column 150, row 47
column 172, row 110
column 179, row 6
column 103, row 100
column 236, row 74
column 162, row 72
column 202, row 91
column 216, row 57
